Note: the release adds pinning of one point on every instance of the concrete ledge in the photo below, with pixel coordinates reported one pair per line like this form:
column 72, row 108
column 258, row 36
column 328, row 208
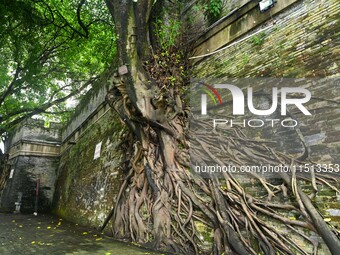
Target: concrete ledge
column 235, row 25
column 225, row 21
column 34, row 153
column 34, row 149
column 89, row 109
column 93, row 118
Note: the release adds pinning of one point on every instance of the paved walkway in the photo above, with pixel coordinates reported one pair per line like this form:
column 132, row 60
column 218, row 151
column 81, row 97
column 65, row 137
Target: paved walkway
column 46, row 234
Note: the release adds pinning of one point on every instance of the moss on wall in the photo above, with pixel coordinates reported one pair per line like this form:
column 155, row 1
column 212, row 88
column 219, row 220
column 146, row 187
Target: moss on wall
column 303, row 42
column 305, row 45
column 86, row 188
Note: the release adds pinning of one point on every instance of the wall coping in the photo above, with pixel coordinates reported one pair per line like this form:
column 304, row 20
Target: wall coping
column 23, row 148
column 234, row 25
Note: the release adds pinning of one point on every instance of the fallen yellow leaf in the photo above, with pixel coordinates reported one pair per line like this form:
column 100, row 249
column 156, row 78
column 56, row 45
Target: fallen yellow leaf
column 327, row 219
column 85, row 233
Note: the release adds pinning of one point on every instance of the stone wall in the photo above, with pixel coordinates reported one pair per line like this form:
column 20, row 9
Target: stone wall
column 83, row 188
column 86, row 188
column 33, row 158
column 87, row 107
column 33, row 130
column 300, row 41
column 28, row 170
column 195, row 10
column 236, row 18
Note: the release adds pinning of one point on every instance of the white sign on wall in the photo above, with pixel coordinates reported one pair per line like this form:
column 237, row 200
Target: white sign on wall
column 11, row 174
column 97, row 150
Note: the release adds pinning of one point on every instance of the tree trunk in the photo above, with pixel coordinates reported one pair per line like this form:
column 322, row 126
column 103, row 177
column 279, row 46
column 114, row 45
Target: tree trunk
column 135, row 89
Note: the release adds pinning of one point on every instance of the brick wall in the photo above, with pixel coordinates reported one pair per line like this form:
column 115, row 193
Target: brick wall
column 87, row 187
column 304, row 42
column 33, row 157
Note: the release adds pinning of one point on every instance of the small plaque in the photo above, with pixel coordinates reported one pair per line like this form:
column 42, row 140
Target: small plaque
column 97, row 150
column 11, row 174
column 123, row 70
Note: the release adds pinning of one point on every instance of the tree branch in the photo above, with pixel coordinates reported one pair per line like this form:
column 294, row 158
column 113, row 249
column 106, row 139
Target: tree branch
column 44, row 107
column 10, row 87
column 85, row 28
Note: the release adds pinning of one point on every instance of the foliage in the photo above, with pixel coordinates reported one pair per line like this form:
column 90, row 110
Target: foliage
column 167, row 64
column 168, row 70
column 258, row 40
column 167, row 32
column 50, row 51
column 245, row 59
column 213, row 10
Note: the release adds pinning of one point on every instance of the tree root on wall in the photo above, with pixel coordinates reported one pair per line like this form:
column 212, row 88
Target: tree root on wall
column 162, row 200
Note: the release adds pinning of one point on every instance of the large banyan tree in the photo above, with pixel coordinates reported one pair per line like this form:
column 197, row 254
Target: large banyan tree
column 161, row 200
